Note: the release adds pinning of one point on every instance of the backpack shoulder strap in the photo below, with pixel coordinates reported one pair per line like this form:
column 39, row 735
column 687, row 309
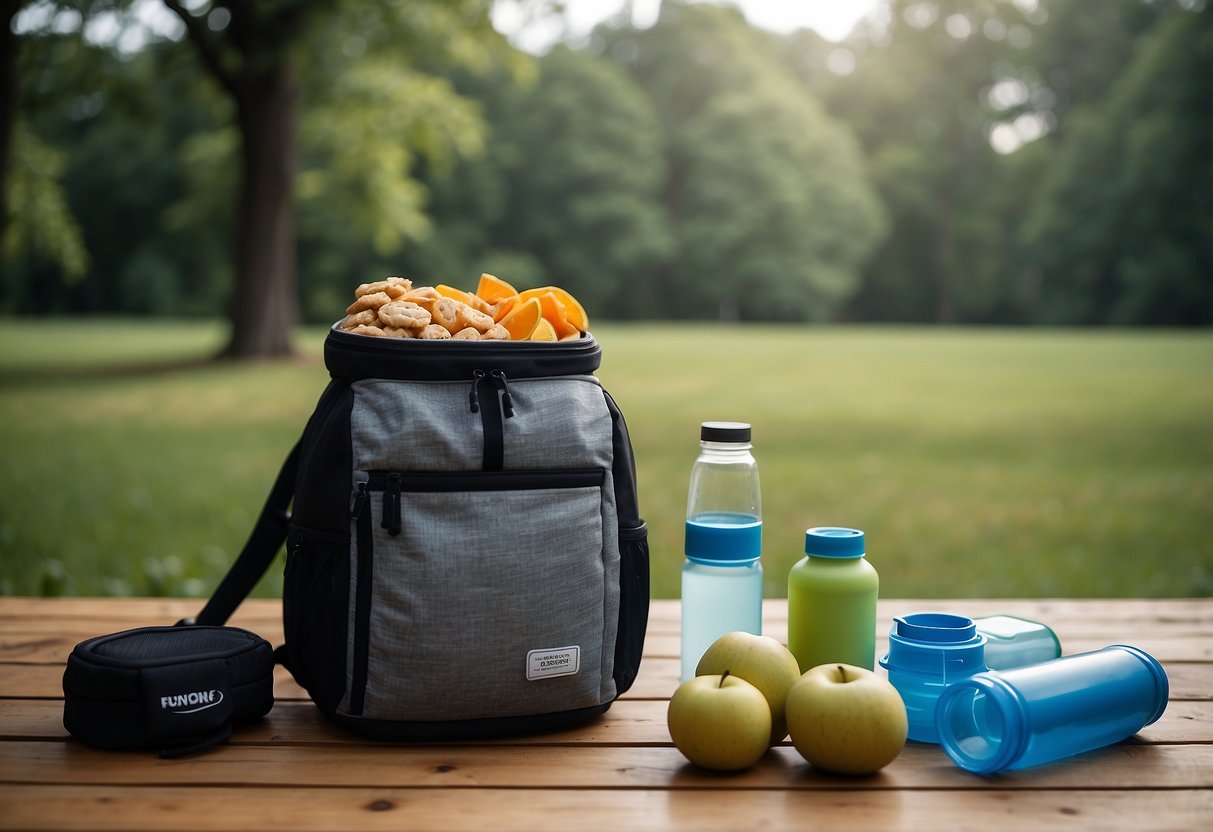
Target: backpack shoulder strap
column 258, row 553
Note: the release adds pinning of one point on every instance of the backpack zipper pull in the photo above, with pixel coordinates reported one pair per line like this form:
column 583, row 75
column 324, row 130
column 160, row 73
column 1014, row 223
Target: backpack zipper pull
column 474, row 395
column 359, row 501
column 507, row 401
column 391, row 505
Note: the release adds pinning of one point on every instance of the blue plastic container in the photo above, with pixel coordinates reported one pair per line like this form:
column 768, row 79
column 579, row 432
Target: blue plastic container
column 1020, row 718
column 927, row 652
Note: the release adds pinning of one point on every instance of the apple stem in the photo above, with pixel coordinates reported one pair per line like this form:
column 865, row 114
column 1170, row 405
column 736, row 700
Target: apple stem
column 842, row 673
column 723, row 676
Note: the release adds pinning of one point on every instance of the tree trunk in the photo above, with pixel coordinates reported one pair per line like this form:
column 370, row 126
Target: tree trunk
column 265, row 299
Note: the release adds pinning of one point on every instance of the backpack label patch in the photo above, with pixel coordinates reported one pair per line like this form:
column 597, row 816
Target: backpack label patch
column 556, row 661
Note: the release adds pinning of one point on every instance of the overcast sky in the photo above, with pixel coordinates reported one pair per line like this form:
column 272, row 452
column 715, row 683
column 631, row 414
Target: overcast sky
column 831, row 19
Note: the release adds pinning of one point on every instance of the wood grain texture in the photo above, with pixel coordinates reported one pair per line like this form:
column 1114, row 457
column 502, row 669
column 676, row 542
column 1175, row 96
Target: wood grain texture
column 561, row 810
column 296, row 770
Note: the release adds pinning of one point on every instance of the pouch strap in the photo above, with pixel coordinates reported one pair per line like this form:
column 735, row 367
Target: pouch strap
column 259, row 551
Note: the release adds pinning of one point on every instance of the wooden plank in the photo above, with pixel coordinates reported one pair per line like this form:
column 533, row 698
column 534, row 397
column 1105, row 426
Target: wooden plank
column 39, row 630
column 54, row 646
column 918, row 767
column 628, row 722
column 532, row 810
column 658, row 679
column 46, row 681
column 1081, row 617
column 1192, row 648
column 148, row 611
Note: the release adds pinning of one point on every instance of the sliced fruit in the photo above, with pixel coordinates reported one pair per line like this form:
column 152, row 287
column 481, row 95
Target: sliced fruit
column 502, row 307
column 554, row 314
column 493, row 289
column 477, row 303
column 543, row 331
column 573, row 310
column 522, row 319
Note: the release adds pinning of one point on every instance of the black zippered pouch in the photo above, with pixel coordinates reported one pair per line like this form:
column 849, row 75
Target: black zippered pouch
column 176, row 690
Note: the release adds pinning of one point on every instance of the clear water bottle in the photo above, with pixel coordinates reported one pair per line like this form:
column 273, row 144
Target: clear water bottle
column 722, row 576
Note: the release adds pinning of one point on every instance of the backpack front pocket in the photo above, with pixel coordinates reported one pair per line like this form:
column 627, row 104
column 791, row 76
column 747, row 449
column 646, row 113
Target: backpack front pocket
column 482, row 594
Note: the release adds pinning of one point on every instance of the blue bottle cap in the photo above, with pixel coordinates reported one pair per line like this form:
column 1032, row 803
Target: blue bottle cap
column 834, row 542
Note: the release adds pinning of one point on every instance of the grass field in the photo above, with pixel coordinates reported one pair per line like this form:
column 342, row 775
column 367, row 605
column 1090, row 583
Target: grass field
column 980, row 462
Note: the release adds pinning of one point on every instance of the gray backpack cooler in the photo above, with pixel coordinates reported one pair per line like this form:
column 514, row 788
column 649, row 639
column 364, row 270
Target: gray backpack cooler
column 465, row 555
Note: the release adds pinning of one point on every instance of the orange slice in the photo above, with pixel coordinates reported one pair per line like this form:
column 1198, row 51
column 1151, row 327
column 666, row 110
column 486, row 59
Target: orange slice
column 543, row 331
column 477, row 303
column 502, row 307
column 574, row 312
column 554, row 314
column 493, row 289
column 522, row 319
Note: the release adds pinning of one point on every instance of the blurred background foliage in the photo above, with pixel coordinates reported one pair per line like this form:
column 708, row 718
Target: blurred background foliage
column 979, row 161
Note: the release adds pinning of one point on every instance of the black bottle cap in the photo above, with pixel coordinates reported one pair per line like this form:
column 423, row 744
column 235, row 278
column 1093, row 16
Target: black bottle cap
column 724, row 432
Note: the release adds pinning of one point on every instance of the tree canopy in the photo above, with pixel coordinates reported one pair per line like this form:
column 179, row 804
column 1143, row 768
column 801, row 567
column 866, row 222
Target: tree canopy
column 951, row 160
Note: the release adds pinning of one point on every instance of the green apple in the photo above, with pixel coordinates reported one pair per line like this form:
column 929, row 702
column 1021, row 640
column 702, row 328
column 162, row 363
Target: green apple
column 763, row 662
column 846, row 719
column 720, row 722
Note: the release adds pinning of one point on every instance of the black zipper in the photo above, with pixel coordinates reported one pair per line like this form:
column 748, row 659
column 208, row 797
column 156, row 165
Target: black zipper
column 391, row 505
column 352, row 357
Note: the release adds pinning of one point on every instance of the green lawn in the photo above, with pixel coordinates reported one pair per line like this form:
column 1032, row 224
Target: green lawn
column 981, row 462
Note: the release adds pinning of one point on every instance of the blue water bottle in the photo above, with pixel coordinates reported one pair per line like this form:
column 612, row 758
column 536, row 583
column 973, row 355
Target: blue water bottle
column 722, row 576
column 1015, row 719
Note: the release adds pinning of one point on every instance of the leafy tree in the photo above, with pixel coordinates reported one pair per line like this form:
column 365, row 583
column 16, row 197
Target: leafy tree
column 918, row 97
column 43, row 231
column 582, row 165
column 8, row 99
column 1121, row 230
column 766, row 194
column 567, row 191
column 349, row 95
column 123, row 118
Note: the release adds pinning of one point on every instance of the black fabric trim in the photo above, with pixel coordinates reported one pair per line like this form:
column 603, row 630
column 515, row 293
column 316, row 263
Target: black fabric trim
column 354, row 357
column 467, row 729
column 633, row 556
column 627, row 503
column 430, row 482
column 362, row 610
column 633, row 605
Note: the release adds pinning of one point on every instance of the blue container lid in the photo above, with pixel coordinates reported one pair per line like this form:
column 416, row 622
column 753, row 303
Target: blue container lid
column 834, row 542
column 936, row 644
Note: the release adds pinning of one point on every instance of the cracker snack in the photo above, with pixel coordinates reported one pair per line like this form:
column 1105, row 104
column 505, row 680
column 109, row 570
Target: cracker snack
column 394, row 308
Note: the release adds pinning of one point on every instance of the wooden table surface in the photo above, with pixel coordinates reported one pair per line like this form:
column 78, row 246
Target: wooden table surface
column 293, row 770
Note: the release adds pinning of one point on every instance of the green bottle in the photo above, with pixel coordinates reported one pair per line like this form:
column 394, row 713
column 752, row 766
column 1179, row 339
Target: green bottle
column 832, row 601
